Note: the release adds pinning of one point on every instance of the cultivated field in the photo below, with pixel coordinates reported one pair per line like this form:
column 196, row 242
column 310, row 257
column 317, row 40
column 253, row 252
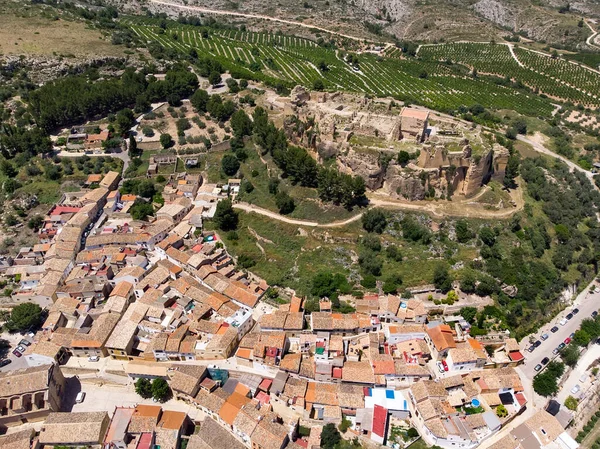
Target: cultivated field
column 295, row 60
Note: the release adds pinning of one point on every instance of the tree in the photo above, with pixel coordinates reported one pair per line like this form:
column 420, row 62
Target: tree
column 441, row 278
column 199, row 100
column 463, row 233
column 468, row 281
column 241, row 124
column 571, row 403
column 8, row 169
column 35, row 222
column 24, row 316
column 143, row 387
column 370, row 263
column 160, row 389
column 345, row 424
column 545, row 384
column 133, row 151
column 230, row 164
column 318, row 84
column 392, row 252
column 166, row 140
column 225, row 217
column 374, row 220
column 330, row 436
column 501, row 411
column 214, row 78
column 124, row 120
column 570, row 354
column 140, row 210
column 403, row 157
column 487, row 236
column 285, row 203
column 511, row 171
column 146, row 188
column 582, row 338
column 468, row 313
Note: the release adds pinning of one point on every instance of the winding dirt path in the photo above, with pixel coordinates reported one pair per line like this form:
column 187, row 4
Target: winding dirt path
column 459, row 208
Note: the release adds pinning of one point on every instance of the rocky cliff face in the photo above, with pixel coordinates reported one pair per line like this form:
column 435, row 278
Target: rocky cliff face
column 365, row 165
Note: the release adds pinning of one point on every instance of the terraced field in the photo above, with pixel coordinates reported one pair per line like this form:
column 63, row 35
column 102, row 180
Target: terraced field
column 295, row 60
column 555, row 77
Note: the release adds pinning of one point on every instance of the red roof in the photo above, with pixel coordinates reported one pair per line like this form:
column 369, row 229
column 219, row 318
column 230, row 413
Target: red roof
column 337, row 372
column 521, row 399
column 265, row 384
column 197, row 248
column 515, row 356
column 145, row 441
column 380, row 415
column 301, row 442
column 271, row 352
column 263, row 397
column 59, row 210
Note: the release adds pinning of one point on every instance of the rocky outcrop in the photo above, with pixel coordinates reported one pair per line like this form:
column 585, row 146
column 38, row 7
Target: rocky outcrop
column 299, row 96
column 499, row 162
column 404, row 184
column 363, row 164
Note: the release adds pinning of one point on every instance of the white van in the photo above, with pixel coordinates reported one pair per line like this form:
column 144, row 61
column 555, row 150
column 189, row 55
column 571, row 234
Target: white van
column 80, row 397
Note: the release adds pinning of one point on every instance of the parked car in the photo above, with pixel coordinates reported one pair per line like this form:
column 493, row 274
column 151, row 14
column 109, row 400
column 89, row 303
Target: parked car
column 563, row 322
column 445, row 365
column 537, row 343
column 545, row 360
column 569, row 316
column 545, row 337
column 531, row 348
column 554, row 329
column 93, row 358
column 440, row 367
column 20, row 348
column 5, row 362
column 80, row 397
column 538, row 367
column 17, row 353
column 572, row 335
column 594, row 314
column 575, row 389
column 25, row 343
column 555, row 351
column 561, row 346
column 575, row 311
column 567, row 341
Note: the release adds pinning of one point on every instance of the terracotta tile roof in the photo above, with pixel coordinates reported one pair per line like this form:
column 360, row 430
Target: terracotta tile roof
column 307, row 367
column 428, row 389
column 212, row 435
column 186, row 378
column 442, row 337
column 383, row 364
column 74, row 428
column 232, row 406
column 123, row 289
column 210, row 401
column 172, row 420
column 321, row 393
column 351, row 396
column 360, row 372
column 270, row 434
column 291, row 362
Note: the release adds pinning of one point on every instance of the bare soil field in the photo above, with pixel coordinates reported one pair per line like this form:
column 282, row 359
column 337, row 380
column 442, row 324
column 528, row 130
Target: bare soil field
column 33, row 36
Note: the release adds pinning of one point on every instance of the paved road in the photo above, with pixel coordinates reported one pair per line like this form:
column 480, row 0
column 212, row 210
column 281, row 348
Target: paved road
column 586, row 303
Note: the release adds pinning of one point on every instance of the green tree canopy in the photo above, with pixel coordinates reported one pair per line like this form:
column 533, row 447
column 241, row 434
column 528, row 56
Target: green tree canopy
column 143, row 387
column 24, row 316
column 374, row 220
column 225, row 217
column 230, row 164
column 330, row 436
column 160, row 390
